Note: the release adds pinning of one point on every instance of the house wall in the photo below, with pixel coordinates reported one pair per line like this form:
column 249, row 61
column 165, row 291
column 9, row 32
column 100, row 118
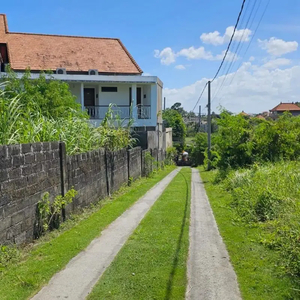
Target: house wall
column 75, row 89
column 147, row 92
column 154, row 98
column 105, row 98
column 168, row 140
column 159, row 104
column 119, row 98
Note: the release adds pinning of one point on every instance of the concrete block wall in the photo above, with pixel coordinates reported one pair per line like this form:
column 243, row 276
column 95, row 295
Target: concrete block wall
column 27, row 171
column 117, row 169
column 86, row 173
column 146, row 167
column 135, row 163
column 154, row 153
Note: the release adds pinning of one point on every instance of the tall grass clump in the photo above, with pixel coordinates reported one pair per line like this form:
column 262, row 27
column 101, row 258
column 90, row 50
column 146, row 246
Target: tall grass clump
column 269, row 195
column 37, row 119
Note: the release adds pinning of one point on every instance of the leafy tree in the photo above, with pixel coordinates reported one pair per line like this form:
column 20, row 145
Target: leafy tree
column 197, row 151
column 173, row 118
column 177, row 106
column 52, row 98
column 233, row 141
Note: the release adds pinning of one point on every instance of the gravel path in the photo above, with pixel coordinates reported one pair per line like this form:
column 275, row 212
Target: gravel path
column 210, row 273
column 83, row 271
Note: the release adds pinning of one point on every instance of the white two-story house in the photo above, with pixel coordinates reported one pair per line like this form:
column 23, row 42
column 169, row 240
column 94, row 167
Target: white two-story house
column 99, row 71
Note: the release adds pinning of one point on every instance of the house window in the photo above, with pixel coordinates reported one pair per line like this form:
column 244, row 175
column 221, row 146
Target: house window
column 109, row 89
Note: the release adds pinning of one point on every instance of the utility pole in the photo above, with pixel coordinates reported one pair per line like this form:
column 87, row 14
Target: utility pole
column 164, row 103
column 209, row 128
column 199, row 117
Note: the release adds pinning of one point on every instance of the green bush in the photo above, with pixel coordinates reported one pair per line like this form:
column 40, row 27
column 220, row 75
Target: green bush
column 268, row 195
column 240, row 142
column 173, row 118
column 197, row 150
column 171, row 155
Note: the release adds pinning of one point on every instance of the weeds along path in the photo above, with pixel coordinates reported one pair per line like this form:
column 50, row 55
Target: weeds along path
column 84, row 270
column 210, row 273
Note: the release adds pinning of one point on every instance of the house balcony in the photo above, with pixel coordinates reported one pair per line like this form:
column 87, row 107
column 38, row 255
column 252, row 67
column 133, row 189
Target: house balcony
column 98, row 112
column 139, row 102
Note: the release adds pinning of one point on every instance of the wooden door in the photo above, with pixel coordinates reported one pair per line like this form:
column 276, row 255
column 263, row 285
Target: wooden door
column 89, row 97
column 138, row 96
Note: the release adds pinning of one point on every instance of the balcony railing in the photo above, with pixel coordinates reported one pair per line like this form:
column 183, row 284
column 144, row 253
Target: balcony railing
column 123, row 111
column 144, row 111
column 98, row 111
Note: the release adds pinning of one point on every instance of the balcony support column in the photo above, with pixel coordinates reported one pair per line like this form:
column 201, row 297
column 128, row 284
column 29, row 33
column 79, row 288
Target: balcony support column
column 133, row 102
column 82, row 95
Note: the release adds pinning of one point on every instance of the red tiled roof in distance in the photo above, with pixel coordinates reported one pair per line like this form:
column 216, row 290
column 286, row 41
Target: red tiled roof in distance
column 76, row 54
column 286, row 107
column 244, row 114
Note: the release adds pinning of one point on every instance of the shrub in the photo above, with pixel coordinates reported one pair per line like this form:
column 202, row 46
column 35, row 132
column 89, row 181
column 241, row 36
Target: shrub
column 171, row 155
column 197, row 150
column 240, row 142
column 268, row 195
column 173, row 118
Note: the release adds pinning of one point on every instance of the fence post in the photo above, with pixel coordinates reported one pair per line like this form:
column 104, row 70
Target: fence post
column 62, row 152
column 106, row 173
column 128, row 166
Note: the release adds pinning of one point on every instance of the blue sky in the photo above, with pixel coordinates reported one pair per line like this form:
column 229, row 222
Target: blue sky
column 270, row 76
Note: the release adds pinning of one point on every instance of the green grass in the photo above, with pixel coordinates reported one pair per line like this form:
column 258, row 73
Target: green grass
column 152, row 264
column 256, row 266
column 25, row 278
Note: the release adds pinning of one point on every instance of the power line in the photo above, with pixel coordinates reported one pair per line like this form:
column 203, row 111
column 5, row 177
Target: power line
column 226, row 52
column 200, row 97
column 231, row 39
column 251, row 40
column 236, row 51
column 225, row 66
column 238, row 48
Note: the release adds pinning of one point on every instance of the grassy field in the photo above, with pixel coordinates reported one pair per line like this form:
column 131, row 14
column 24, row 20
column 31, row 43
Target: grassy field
column 259, row 274
column 152, row 264
column 39, row 263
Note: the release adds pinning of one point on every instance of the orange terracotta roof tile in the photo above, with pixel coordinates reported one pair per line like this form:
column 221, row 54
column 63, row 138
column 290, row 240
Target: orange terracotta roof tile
column 244, row 114
column 286, row 107
column 76, row 54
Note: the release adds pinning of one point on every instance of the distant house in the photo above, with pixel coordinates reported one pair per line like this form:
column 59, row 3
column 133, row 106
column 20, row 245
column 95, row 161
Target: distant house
column 244, row 114
column 261, row 117
column 99, row 72
column 285, row 107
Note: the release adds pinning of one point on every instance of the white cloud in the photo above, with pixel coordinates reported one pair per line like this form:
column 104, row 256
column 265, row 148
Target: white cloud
column 275, row 63
column 180, row 67
column 278, row 47
column 195, row 53
column 229, row 56
column 215, row 38
column 254, row 89
column 167, row 56
column 146, row 74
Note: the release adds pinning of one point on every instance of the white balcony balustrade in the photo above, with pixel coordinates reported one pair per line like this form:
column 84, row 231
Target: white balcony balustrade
column 98, row 112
